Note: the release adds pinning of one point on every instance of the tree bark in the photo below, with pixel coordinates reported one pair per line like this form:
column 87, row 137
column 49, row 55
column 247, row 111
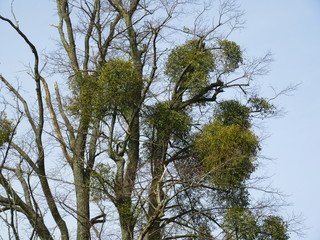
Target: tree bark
column 156, row 194
column 82, row 202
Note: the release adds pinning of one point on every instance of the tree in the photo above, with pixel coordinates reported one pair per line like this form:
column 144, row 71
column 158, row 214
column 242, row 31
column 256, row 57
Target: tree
column 146, row 139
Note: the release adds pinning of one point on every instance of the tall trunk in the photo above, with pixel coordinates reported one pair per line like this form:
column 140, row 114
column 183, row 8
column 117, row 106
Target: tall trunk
column 154, row 232
column 82, row 202
column 125, row 183
column 156, row 194
column 82, row 181
column 126, row 230
column 124, row 201
column 127, row 221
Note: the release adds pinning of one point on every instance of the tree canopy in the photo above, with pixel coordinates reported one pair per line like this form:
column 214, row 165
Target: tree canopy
column 140, row 138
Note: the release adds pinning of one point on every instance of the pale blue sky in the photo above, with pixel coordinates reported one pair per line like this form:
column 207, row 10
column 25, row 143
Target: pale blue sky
column 290, row 29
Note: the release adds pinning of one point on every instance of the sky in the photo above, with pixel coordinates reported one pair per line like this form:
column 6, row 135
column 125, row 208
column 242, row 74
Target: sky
column 290, row 29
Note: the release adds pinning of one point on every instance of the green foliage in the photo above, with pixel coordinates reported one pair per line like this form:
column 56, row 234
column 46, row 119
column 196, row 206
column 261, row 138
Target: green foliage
column 190, row 64
column 203, row 233
column 274, row 228
column 232, row 196
column 85, row 91
column 230, row 55
column 227, row 149
column 232, row 112
column 261, row 106
column 168, row 121
column 6, row 129
column 121, row 83
column 227, row 152
column 116, row 85
column 101, row 178
column 240, row 223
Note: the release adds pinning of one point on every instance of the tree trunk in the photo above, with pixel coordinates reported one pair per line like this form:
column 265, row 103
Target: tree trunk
column 125, row 183
column 82, row 202
column 127, row 221
column 156, row 194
